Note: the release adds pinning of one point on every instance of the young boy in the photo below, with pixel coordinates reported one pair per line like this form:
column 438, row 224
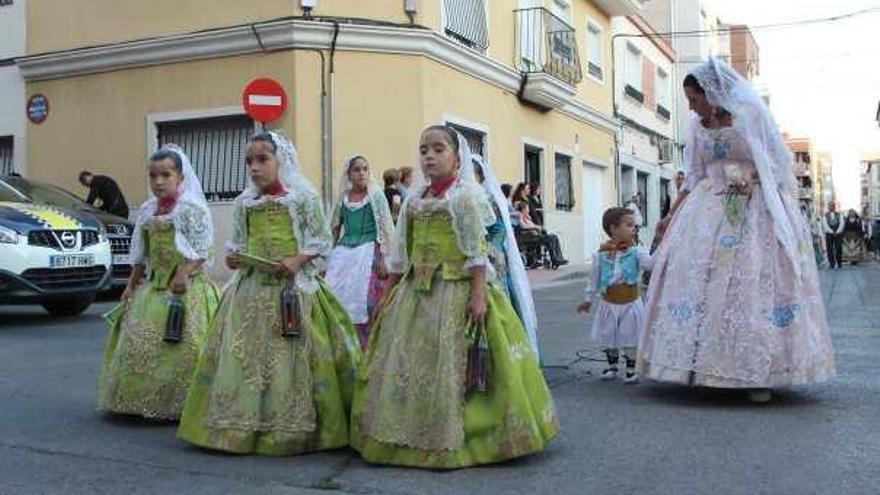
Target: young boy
column 614, row 276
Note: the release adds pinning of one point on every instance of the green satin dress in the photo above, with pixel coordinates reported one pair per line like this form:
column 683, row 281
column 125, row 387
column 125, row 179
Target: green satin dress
column 256, row 392
column 411, row 407
column 143, row 375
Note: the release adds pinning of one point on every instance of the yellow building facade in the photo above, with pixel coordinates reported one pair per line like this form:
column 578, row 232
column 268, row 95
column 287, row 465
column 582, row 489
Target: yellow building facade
column 362, row 78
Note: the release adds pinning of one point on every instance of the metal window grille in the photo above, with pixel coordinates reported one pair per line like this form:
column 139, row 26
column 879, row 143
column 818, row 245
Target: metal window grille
column 466, row 23
column 475, row 139
column 216, row 147
column 564, row 189
column 6, row 165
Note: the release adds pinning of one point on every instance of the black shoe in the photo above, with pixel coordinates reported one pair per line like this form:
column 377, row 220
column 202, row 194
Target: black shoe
column 562, row 263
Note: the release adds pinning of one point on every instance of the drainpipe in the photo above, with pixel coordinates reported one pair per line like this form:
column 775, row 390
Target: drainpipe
column 326, row 112
column 617, row 177
column 327, row 123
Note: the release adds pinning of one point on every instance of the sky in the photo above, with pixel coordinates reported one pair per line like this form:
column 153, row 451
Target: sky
column 824, row 79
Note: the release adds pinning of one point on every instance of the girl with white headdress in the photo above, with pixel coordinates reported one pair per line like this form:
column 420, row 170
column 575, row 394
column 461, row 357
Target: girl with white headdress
column 146, row 372
column 510, row 272
column 734, row 299
column 278, row 368
column 362, row 230
column 450, row 378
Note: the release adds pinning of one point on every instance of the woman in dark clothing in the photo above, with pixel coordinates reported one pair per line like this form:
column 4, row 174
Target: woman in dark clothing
column 536, row 205
column 853, row 238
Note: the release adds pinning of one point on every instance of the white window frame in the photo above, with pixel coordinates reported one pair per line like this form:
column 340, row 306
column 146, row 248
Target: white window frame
column 449, row 118
column 573, row 158
column 155, row 119
column 663, row 89
column 442, row 4
column 542, row 159
column 593, row 26
column 633, row 50
column 566, row 6
column 663, row 84
column 528, row 54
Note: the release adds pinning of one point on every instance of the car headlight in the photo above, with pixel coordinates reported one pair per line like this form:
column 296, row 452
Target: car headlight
column 8, row 236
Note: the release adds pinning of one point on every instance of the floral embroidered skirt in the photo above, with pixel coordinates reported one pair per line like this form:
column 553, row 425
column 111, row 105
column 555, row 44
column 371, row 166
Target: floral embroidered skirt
column 142, row 374
column 411, row 407
column 256, row 392
column 853, row 247
column 725, row 307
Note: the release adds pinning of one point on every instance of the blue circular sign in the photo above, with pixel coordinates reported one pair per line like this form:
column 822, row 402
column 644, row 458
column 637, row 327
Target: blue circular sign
column 38, row 108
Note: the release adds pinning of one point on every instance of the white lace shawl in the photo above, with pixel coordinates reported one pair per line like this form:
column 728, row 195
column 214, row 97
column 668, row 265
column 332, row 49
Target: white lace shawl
column 309, row 228
column 381, row 211
column 725, row 88
column 462, row 203
column 193, row 231
column 466, row 203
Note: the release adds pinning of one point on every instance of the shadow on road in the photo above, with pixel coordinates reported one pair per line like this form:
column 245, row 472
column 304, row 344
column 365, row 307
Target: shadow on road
column 702, row 397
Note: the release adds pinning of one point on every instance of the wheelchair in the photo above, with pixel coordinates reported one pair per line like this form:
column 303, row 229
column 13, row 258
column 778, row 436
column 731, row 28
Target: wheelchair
column 533, row 251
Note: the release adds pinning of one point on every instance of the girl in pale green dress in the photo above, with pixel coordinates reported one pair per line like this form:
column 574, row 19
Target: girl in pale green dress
column 450, row 378
column 272, row 381
column 143, row 374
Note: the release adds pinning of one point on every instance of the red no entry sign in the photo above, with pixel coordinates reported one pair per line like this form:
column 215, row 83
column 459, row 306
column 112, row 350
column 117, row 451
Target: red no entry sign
column 264, row 100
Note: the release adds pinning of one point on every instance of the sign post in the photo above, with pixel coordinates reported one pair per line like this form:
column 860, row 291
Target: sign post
column 264, row 100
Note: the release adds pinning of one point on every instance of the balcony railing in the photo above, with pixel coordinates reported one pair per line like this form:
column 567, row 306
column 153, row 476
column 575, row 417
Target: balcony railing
column 546, row 44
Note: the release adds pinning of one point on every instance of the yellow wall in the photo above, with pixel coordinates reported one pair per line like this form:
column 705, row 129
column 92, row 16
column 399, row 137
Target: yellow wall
column 65, row 24
column 381, row 104
column 597, row 95
column 451, row 92
column 98, row 122
column 378, row 109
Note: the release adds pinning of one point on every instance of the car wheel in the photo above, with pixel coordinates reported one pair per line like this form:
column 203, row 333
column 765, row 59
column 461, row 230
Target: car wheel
column 68, row 307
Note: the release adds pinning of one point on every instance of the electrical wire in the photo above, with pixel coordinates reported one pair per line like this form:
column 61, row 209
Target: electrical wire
column 741, row 27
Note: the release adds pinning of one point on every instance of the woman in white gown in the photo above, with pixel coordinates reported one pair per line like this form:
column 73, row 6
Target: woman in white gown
column 734, row 299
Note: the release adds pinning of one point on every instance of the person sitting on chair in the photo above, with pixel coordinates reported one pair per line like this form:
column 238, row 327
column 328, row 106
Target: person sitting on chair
column 550, row 241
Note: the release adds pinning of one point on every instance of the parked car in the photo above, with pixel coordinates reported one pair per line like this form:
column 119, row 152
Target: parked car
column 119, row 230
column 56, row 257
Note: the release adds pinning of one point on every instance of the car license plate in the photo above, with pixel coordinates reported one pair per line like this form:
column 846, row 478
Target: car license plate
column 71, row 260
column 121, row 259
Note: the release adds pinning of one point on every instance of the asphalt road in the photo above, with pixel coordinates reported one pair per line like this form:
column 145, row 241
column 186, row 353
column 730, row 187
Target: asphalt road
column 643, row 439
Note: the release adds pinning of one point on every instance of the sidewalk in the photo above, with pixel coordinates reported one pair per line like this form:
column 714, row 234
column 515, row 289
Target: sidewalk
column 542, row 277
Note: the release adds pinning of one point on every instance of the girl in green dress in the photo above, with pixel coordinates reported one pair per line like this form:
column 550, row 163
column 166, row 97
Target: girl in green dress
column 277, row 373
column 362, row 229
column 426, row 396
column 144, row 374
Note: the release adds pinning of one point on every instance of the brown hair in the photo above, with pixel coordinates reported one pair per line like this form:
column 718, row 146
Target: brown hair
column 390, row 177
column 614, row 217
column 450, row 134
column 405, row 172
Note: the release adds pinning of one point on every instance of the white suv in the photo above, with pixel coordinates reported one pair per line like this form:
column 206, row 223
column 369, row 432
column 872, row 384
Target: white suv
column 51, row 256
